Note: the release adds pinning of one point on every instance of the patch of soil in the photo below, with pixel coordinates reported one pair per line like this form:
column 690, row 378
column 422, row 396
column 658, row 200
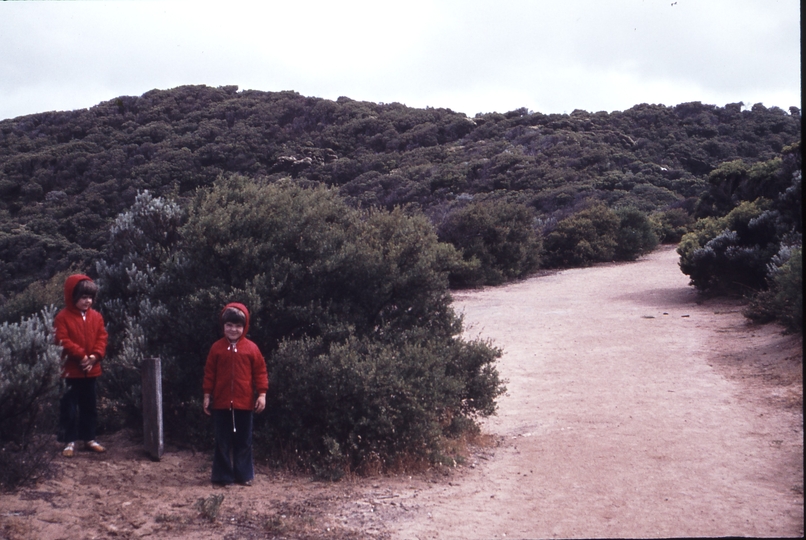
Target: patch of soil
column 634, row 409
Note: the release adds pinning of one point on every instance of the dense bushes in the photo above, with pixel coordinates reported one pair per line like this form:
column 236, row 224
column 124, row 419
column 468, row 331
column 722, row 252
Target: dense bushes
column 584, row 238
column 756, row 248
column 134, row 285
column 497, row 240
column 330, row 285
column 737, row 181
column 730, row 254
column 29, row 377
column 351, row 309
column 783, row 300
column 731, row 251
column 670, row 225
column 65, row 176
column 368, row 404
column 635, row 236
column 30, row 300
column 599, row 234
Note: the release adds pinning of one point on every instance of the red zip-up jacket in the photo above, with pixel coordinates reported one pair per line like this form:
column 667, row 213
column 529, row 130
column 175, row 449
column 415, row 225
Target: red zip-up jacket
column 79, row 335
column 235, row 372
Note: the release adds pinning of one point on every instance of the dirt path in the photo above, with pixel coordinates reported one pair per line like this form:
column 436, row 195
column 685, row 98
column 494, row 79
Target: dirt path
column 627, row 415
column 631, row 411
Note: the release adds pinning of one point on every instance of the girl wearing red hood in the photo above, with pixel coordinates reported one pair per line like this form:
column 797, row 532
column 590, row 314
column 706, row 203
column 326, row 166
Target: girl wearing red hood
column 235, row 372
column 81, row 333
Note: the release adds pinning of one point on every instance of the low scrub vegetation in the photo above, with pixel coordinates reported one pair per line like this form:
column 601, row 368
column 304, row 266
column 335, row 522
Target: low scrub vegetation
column 350, row 307
column 755, row 248
column 497, row 240
column 783, row 299
column 65, row 176
column 29, row 387
column 599, row 234
column 342, row 224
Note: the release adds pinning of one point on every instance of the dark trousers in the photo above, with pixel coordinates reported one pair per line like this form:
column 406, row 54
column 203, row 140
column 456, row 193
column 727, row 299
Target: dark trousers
column 232, row 460
column 77, row 411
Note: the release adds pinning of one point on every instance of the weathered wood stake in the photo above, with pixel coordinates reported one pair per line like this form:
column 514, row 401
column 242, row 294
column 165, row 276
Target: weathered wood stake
column 152, row 407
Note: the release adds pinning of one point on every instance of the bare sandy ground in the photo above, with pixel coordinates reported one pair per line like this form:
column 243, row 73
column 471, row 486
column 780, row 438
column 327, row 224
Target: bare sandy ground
column 628, row 416
column 631, row 411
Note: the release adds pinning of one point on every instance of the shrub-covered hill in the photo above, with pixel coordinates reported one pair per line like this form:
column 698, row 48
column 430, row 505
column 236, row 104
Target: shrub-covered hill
column 64, row 176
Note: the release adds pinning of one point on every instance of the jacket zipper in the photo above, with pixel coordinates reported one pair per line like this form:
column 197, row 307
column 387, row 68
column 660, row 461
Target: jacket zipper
column 233, row 351
column 84, row 319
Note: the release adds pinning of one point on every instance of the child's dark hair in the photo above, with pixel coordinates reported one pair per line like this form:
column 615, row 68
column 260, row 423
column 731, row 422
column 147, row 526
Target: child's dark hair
column 85, row 287
column 234, row 316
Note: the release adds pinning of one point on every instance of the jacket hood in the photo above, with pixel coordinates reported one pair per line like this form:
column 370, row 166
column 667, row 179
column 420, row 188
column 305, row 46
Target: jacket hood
column 70, row 285
column 240, row 306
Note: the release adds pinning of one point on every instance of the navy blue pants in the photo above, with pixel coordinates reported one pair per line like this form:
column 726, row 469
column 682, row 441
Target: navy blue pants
column 232, row 460
column 77, row 411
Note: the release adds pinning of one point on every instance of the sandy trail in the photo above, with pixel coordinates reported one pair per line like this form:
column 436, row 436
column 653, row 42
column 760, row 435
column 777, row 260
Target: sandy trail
column 619, row 420
column 631, row 411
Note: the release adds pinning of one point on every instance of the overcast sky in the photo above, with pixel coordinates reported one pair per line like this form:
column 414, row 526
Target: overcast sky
column 550, row 56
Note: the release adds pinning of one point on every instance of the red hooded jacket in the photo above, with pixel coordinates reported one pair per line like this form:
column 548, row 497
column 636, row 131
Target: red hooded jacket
column 79, row 335
column 235, row 372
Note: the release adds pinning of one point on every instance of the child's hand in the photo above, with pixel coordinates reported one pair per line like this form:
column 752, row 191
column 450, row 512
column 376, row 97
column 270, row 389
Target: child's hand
column 207, row 405
column 260, row 403
column 86, row 363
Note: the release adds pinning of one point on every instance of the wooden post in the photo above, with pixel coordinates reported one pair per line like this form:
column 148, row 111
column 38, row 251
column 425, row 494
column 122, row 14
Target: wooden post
column 152, row 407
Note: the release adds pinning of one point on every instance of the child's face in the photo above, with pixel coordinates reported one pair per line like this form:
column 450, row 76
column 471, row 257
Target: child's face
column 233, row 331
column 84, row 303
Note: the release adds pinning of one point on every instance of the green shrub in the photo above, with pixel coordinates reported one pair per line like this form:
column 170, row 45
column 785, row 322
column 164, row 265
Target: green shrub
column 587, row 237
column 635, row 234
column 133, row 285
column 736, row 181
column 755, row 249
column 29, row 386
column 670, row 225
column 497, row 241
column 783, row 301
column 366, row 403
column 30, row 300
column 343, row 302
column 730, row 254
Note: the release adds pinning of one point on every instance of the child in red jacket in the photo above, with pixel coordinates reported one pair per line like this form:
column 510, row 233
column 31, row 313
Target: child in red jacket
column 81, row 333
column 234, row 373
